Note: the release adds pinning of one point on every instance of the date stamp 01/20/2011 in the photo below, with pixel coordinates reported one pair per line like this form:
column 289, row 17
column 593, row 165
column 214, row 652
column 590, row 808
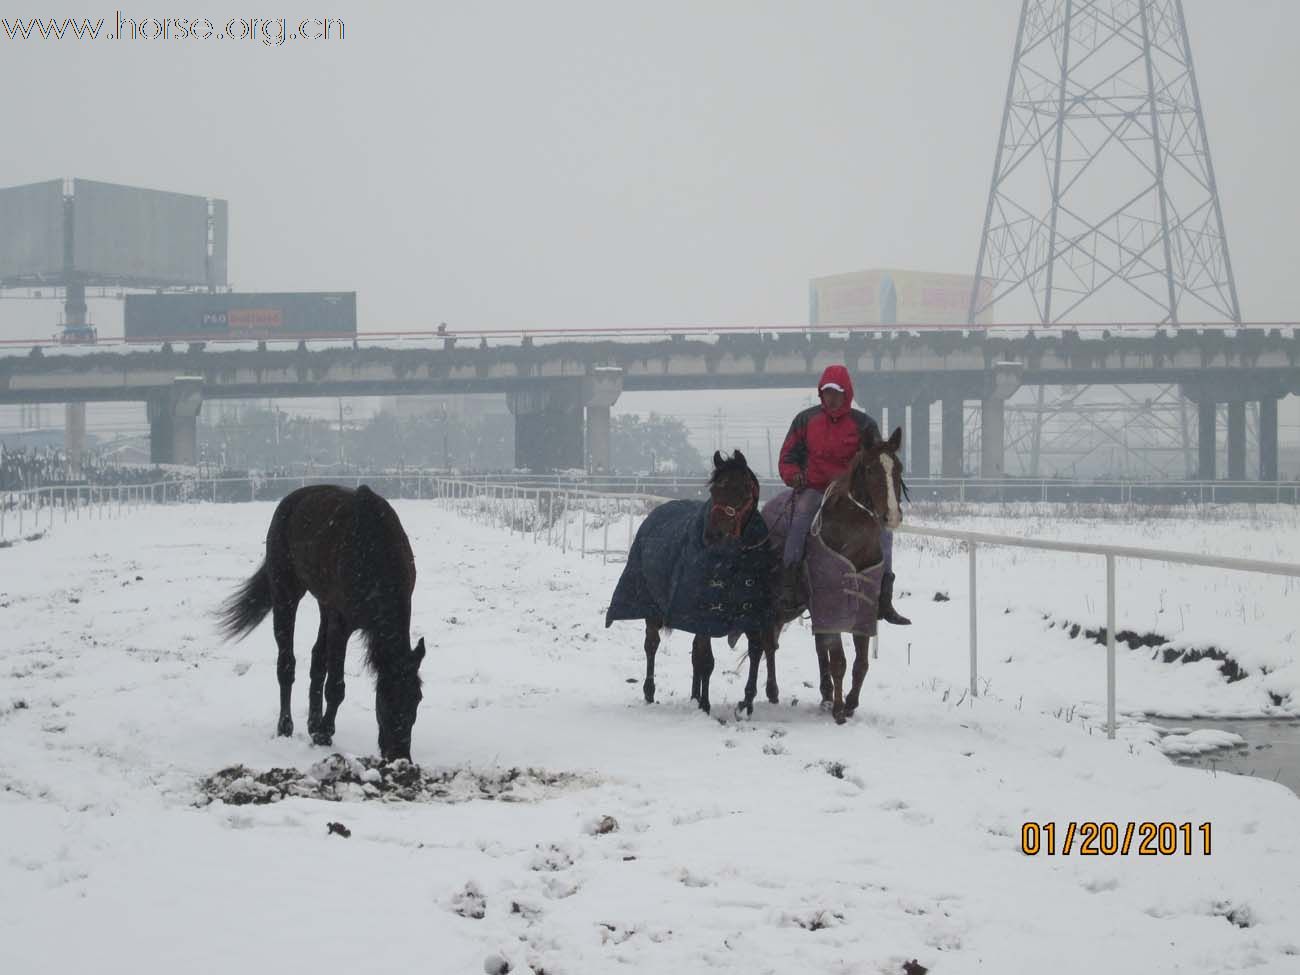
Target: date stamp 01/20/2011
column 1147, row 839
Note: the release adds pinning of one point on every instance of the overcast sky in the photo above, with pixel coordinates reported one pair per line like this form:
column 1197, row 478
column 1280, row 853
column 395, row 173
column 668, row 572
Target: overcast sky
column 605, row 163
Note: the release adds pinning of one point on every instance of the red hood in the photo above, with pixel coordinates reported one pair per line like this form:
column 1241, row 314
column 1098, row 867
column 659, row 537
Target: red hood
column 840, row 376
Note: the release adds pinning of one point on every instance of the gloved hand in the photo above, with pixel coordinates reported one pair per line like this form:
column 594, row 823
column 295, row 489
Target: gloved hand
column 799, row 481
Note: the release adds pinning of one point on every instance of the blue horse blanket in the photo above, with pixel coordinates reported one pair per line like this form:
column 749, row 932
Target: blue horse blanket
column 714, row 590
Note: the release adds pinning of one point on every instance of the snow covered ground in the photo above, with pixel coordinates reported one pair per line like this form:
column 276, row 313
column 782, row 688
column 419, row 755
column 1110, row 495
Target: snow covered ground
column 779, row 844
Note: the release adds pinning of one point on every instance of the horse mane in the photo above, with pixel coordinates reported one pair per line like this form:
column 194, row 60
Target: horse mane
column 841, row 484
column 733, row 465
column 379, row 537
column 729, row 465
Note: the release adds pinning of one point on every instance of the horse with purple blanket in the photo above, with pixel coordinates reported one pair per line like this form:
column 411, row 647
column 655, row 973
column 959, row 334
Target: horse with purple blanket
column 839, row 581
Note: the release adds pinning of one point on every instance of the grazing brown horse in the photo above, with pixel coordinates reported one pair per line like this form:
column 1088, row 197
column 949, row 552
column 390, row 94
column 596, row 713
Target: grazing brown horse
column 701, row 567
column 347, row 548
column 856, row 508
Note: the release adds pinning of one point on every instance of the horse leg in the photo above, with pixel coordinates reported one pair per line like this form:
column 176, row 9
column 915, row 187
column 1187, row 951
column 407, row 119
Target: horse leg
column 283, row 612
column 861, row 662
column 317, row 675
column 825, row 685
column 754, row 638
column 336, row 648
column 652, row 627
column 835, row 648
column 769, row 652
column 701, row 670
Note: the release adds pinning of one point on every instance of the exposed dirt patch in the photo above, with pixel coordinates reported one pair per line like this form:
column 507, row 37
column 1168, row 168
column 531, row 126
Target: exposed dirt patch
column 339, row 778
column 1165, row 652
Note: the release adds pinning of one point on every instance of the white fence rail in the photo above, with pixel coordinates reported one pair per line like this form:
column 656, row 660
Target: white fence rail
column 564, row 517
column 1110, row 552
column 592, row 523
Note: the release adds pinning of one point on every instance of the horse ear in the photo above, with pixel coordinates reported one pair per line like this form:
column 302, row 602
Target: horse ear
column 419, row 652
column 717, row 458
column 896, row 439
column 737, row 455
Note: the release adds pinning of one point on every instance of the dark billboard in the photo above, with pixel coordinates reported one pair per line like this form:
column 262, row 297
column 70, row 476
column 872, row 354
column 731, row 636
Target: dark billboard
column 285, row 315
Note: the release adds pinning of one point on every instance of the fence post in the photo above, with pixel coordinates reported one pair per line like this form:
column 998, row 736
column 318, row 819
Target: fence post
column 631, row 503
column 974, row 668
column 604, row 546
column 584, row 532
column 1110, row 645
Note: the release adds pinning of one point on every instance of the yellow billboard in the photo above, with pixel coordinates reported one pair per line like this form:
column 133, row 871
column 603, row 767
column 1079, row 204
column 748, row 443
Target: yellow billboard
column 891, row 297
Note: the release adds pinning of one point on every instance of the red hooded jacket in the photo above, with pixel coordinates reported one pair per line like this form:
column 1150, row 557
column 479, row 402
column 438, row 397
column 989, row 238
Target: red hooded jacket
column 820, row 443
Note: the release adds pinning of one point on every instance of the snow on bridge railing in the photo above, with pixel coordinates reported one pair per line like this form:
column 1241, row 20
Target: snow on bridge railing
column 471, row 338
column 1110, row 552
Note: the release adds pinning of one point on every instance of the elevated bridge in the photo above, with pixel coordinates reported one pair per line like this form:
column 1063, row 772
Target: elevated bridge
column 560, row 385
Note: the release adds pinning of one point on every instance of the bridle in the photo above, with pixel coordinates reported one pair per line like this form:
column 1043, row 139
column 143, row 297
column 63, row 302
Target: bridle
column 848, row 493
column 736, row 513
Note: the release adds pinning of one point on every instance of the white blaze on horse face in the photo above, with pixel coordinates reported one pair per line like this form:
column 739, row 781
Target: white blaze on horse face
column 893, row 516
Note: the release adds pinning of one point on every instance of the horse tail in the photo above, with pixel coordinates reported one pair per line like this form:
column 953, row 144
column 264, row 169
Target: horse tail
column 241, row 613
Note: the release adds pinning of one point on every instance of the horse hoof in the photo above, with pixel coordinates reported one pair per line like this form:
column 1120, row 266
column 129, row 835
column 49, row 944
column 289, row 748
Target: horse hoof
column 320, row 738
column 849, row 711
column 285, row 728
column 827, row 705
column 839, row 716
column 650, row 695
column 704, row 706
column 772, row 696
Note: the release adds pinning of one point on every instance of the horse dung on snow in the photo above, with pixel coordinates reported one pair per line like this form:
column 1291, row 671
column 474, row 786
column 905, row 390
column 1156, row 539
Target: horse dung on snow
column 703, row 567
column 347, row 548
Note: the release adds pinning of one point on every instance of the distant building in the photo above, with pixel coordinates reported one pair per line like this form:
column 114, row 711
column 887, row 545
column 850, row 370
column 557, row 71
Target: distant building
column 891, row 297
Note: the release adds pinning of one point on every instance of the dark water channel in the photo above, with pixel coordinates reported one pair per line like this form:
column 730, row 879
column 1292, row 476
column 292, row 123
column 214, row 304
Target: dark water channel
column 1272, row 749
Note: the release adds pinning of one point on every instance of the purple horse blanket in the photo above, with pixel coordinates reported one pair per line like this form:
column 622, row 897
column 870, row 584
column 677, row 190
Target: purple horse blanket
column 841, row 599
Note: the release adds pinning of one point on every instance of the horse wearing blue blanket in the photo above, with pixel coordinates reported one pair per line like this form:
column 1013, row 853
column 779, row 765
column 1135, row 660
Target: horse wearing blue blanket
column 704, row 567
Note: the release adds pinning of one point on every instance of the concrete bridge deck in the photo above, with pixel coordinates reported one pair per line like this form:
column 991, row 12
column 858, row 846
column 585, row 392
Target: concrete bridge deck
column 554, row 386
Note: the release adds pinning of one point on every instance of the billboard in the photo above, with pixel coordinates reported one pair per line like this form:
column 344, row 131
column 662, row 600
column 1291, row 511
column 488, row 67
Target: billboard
column 889, row 297
column 126, row 234
column 246, row 315
column 31, row 232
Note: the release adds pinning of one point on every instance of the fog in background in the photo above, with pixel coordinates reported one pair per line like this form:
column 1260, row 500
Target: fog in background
column 605, row 164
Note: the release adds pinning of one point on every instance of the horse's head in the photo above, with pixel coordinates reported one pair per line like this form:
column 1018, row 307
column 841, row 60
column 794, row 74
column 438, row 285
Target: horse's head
column 397, row 699
column 875, row 480
column 733, row 492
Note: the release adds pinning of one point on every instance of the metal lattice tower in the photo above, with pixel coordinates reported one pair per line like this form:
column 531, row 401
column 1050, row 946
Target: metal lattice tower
column 1103, row 203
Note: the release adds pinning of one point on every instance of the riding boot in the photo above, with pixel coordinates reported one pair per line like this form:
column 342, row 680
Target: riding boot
column 787, row 600
column 885, row 610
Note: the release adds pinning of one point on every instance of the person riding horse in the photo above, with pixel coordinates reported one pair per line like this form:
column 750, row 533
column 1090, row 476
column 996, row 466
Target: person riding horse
column 821, row 443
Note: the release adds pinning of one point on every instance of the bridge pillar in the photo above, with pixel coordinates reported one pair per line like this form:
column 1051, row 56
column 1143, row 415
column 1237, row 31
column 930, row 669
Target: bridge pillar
column 600, row 391
column 173, row 422
column 920, row 452
column 549, row 427
column 952, row 423
column 1004, row 381
column 74, row 436
column 1206, row 435
column 1268, row 438
column 1237, row 440
column 897, row 417
column 992, row 437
